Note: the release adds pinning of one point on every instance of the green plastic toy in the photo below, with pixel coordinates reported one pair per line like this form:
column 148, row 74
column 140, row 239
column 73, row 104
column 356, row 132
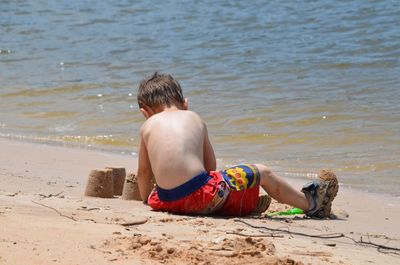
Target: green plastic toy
column 292, row 211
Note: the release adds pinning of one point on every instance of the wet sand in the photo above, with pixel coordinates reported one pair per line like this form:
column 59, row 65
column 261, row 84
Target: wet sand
column 45, row 219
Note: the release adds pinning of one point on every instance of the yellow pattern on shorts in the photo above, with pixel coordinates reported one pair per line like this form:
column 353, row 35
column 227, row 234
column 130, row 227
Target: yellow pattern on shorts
column 241, row 177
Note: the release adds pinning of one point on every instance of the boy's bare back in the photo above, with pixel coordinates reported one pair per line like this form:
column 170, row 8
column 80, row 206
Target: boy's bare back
column 174, row 147
column 174, row 140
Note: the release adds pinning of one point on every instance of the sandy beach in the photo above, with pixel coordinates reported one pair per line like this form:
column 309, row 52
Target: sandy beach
column 45, row 219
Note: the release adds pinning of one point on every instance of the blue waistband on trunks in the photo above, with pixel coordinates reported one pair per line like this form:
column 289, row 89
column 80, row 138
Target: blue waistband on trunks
column 185, row 189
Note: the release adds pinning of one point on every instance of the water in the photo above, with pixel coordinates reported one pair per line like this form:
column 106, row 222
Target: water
column 299, row 86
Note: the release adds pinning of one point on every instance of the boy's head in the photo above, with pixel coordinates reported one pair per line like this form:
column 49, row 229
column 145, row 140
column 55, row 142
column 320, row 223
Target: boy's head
column 160, row 91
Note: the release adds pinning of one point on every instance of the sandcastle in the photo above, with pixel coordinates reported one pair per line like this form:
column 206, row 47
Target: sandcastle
column 131, row 188
column 100, row 183
column 112, row 181
column 118, row 175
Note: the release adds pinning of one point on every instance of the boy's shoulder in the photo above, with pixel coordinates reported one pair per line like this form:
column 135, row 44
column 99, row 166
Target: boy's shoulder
column 189, row 113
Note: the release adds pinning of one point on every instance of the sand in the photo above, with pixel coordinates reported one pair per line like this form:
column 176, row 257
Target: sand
column 45, row 219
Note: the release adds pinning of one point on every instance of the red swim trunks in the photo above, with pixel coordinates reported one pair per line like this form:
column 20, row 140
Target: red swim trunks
column 233, row 191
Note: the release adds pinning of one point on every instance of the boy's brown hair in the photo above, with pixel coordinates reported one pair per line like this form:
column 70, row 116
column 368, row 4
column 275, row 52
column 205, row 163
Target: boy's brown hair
column 159, row 90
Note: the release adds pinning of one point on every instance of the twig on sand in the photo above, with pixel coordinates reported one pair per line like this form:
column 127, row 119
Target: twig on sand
column 323, row 236
column 361, row 242
column 54, row 209
column 381, row 248
column 248, row 235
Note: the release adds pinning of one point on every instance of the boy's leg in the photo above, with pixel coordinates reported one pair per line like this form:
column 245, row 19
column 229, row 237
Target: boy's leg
column 315, row 197
column 280, row 190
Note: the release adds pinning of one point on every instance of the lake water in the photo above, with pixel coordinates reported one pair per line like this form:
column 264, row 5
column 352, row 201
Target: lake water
column 299, row 86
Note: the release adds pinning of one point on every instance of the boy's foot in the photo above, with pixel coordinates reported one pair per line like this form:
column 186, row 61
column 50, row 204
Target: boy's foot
column 262, row 205
column 320, row 193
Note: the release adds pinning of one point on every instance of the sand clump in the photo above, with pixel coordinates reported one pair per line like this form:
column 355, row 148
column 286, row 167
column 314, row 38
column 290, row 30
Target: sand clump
column 168, row 250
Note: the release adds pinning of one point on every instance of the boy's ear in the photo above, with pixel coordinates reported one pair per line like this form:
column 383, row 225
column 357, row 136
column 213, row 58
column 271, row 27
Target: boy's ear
column 147, row 112
column 185, row 104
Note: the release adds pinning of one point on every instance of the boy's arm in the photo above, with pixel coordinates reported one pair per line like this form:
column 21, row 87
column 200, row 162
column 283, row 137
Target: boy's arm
column 210, row 163
column 145, row 173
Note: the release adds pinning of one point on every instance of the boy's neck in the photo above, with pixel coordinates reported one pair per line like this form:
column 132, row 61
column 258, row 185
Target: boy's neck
column 166, row 108
column 150, row 111
column 173, row 107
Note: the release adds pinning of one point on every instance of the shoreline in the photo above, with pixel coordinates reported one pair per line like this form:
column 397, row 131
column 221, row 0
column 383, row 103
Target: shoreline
column 72, row 144
column 45, row 217
column 289, row 176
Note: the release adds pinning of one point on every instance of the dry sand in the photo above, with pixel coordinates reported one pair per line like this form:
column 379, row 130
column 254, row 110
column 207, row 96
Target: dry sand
column 45, row 219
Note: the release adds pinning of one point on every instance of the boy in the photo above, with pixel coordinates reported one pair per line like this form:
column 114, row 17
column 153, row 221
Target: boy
column 175, row 149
